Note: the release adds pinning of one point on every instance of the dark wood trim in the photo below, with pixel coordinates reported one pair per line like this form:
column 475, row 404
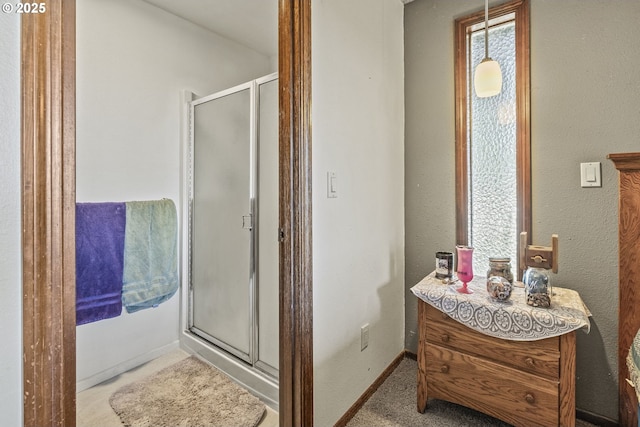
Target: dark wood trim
column 296, row 305
column 353, row 410
column 461, row 164
column 625, row 161
column 628, row 166
column 48, row 214
column 48, row 188
column 523, row 127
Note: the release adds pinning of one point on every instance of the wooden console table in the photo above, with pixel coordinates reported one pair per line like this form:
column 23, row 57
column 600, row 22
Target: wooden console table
column 522, row 382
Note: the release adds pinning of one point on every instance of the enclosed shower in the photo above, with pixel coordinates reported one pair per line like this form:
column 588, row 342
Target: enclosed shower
column 230, row 261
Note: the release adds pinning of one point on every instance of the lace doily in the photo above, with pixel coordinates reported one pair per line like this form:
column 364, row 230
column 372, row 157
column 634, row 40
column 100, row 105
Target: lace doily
column 512, row 319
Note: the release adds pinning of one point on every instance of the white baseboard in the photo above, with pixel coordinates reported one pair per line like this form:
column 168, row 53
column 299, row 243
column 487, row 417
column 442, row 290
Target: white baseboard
column 109, row 373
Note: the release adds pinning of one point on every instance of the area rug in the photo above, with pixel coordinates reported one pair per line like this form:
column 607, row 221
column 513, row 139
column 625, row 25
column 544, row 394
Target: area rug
column 187, row 394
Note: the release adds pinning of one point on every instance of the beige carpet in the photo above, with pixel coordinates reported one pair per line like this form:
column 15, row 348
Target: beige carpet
column 394, row 405
column 188, row 393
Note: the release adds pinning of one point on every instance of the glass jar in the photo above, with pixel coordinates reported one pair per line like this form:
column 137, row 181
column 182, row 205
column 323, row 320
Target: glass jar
column 444, row 265
column 499, row 288
column 537, row 287
column 500, row 267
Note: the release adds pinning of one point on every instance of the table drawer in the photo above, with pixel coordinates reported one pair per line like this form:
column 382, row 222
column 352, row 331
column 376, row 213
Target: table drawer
column 516, row 397
column 540, row 357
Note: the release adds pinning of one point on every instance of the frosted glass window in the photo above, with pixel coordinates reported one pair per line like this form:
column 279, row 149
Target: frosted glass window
column 492, row 165
column 493, row 136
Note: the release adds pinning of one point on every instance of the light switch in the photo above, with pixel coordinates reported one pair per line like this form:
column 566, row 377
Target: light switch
column 332, row 185
column 590, row 174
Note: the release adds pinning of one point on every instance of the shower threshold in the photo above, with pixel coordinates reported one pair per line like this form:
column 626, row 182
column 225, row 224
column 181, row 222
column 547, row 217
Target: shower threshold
column 259, row 383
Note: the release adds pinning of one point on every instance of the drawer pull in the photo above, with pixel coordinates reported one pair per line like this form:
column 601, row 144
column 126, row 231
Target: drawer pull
column 530, row 362
column 529, row 398
column 444, row 369
column 445, row 337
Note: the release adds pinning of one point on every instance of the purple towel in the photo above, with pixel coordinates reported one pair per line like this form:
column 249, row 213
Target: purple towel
column 100, row 229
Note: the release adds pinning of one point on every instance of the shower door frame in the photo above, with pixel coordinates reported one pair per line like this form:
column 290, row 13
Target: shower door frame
column 258, row 362
column 48, row 197
column 252, row 356
column 189, row 219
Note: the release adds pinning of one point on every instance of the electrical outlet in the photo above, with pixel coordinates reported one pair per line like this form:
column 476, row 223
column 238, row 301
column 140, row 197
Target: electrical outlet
column 364, row 337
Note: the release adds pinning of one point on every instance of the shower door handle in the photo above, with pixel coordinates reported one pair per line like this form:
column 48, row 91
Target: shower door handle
column 247, row 222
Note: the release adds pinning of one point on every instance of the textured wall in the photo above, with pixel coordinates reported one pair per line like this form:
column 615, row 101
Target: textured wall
column 358, row 237
column 585, row 101
column 10, row 245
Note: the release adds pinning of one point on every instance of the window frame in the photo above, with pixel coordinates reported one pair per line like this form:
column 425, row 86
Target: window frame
column 463, row 26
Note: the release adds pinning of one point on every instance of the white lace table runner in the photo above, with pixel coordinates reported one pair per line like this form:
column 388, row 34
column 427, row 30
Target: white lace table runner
column 512, row 319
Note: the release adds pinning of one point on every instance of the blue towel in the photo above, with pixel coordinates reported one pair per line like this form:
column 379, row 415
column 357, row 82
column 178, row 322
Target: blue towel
column 100, row 230
column 150, row 254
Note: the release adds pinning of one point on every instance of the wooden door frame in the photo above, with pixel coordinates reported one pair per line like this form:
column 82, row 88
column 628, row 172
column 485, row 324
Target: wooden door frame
column 48, row 214
column 296, row 275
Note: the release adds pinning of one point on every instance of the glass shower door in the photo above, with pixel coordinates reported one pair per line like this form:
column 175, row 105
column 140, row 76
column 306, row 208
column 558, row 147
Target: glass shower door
column 221, row 228
column 268, row 320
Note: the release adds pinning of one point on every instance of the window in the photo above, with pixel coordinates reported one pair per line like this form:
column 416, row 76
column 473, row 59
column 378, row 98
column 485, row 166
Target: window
column 493, row 172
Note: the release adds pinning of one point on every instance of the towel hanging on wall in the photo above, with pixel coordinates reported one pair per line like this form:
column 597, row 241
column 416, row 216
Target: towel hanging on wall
column 150, row 274
column 100, row 235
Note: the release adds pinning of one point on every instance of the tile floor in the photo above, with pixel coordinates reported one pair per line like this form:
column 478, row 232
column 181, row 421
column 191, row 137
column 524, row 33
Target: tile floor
column 92, row 405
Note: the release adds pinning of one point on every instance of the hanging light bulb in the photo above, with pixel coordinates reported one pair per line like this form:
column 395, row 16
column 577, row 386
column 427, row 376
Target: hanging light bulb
column 487, row 79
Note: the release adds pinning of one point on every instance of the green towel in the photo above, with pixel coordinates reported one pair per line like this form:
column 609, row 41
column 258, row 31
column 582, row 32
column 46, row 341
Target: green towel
column 150, row 274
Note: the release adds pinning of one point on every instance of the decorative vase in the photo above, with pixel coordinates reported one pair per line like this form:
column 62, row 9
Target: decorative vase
column 464, row 269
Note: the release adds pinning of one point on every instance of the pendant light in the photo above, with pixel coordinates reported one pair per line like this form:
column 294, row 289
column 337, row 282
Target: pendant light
column 488, row 76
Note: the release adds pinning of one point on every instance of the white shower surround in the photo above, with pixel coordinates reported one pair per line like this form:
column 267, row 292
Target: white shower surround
column 258, row 375
column 134, row 62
